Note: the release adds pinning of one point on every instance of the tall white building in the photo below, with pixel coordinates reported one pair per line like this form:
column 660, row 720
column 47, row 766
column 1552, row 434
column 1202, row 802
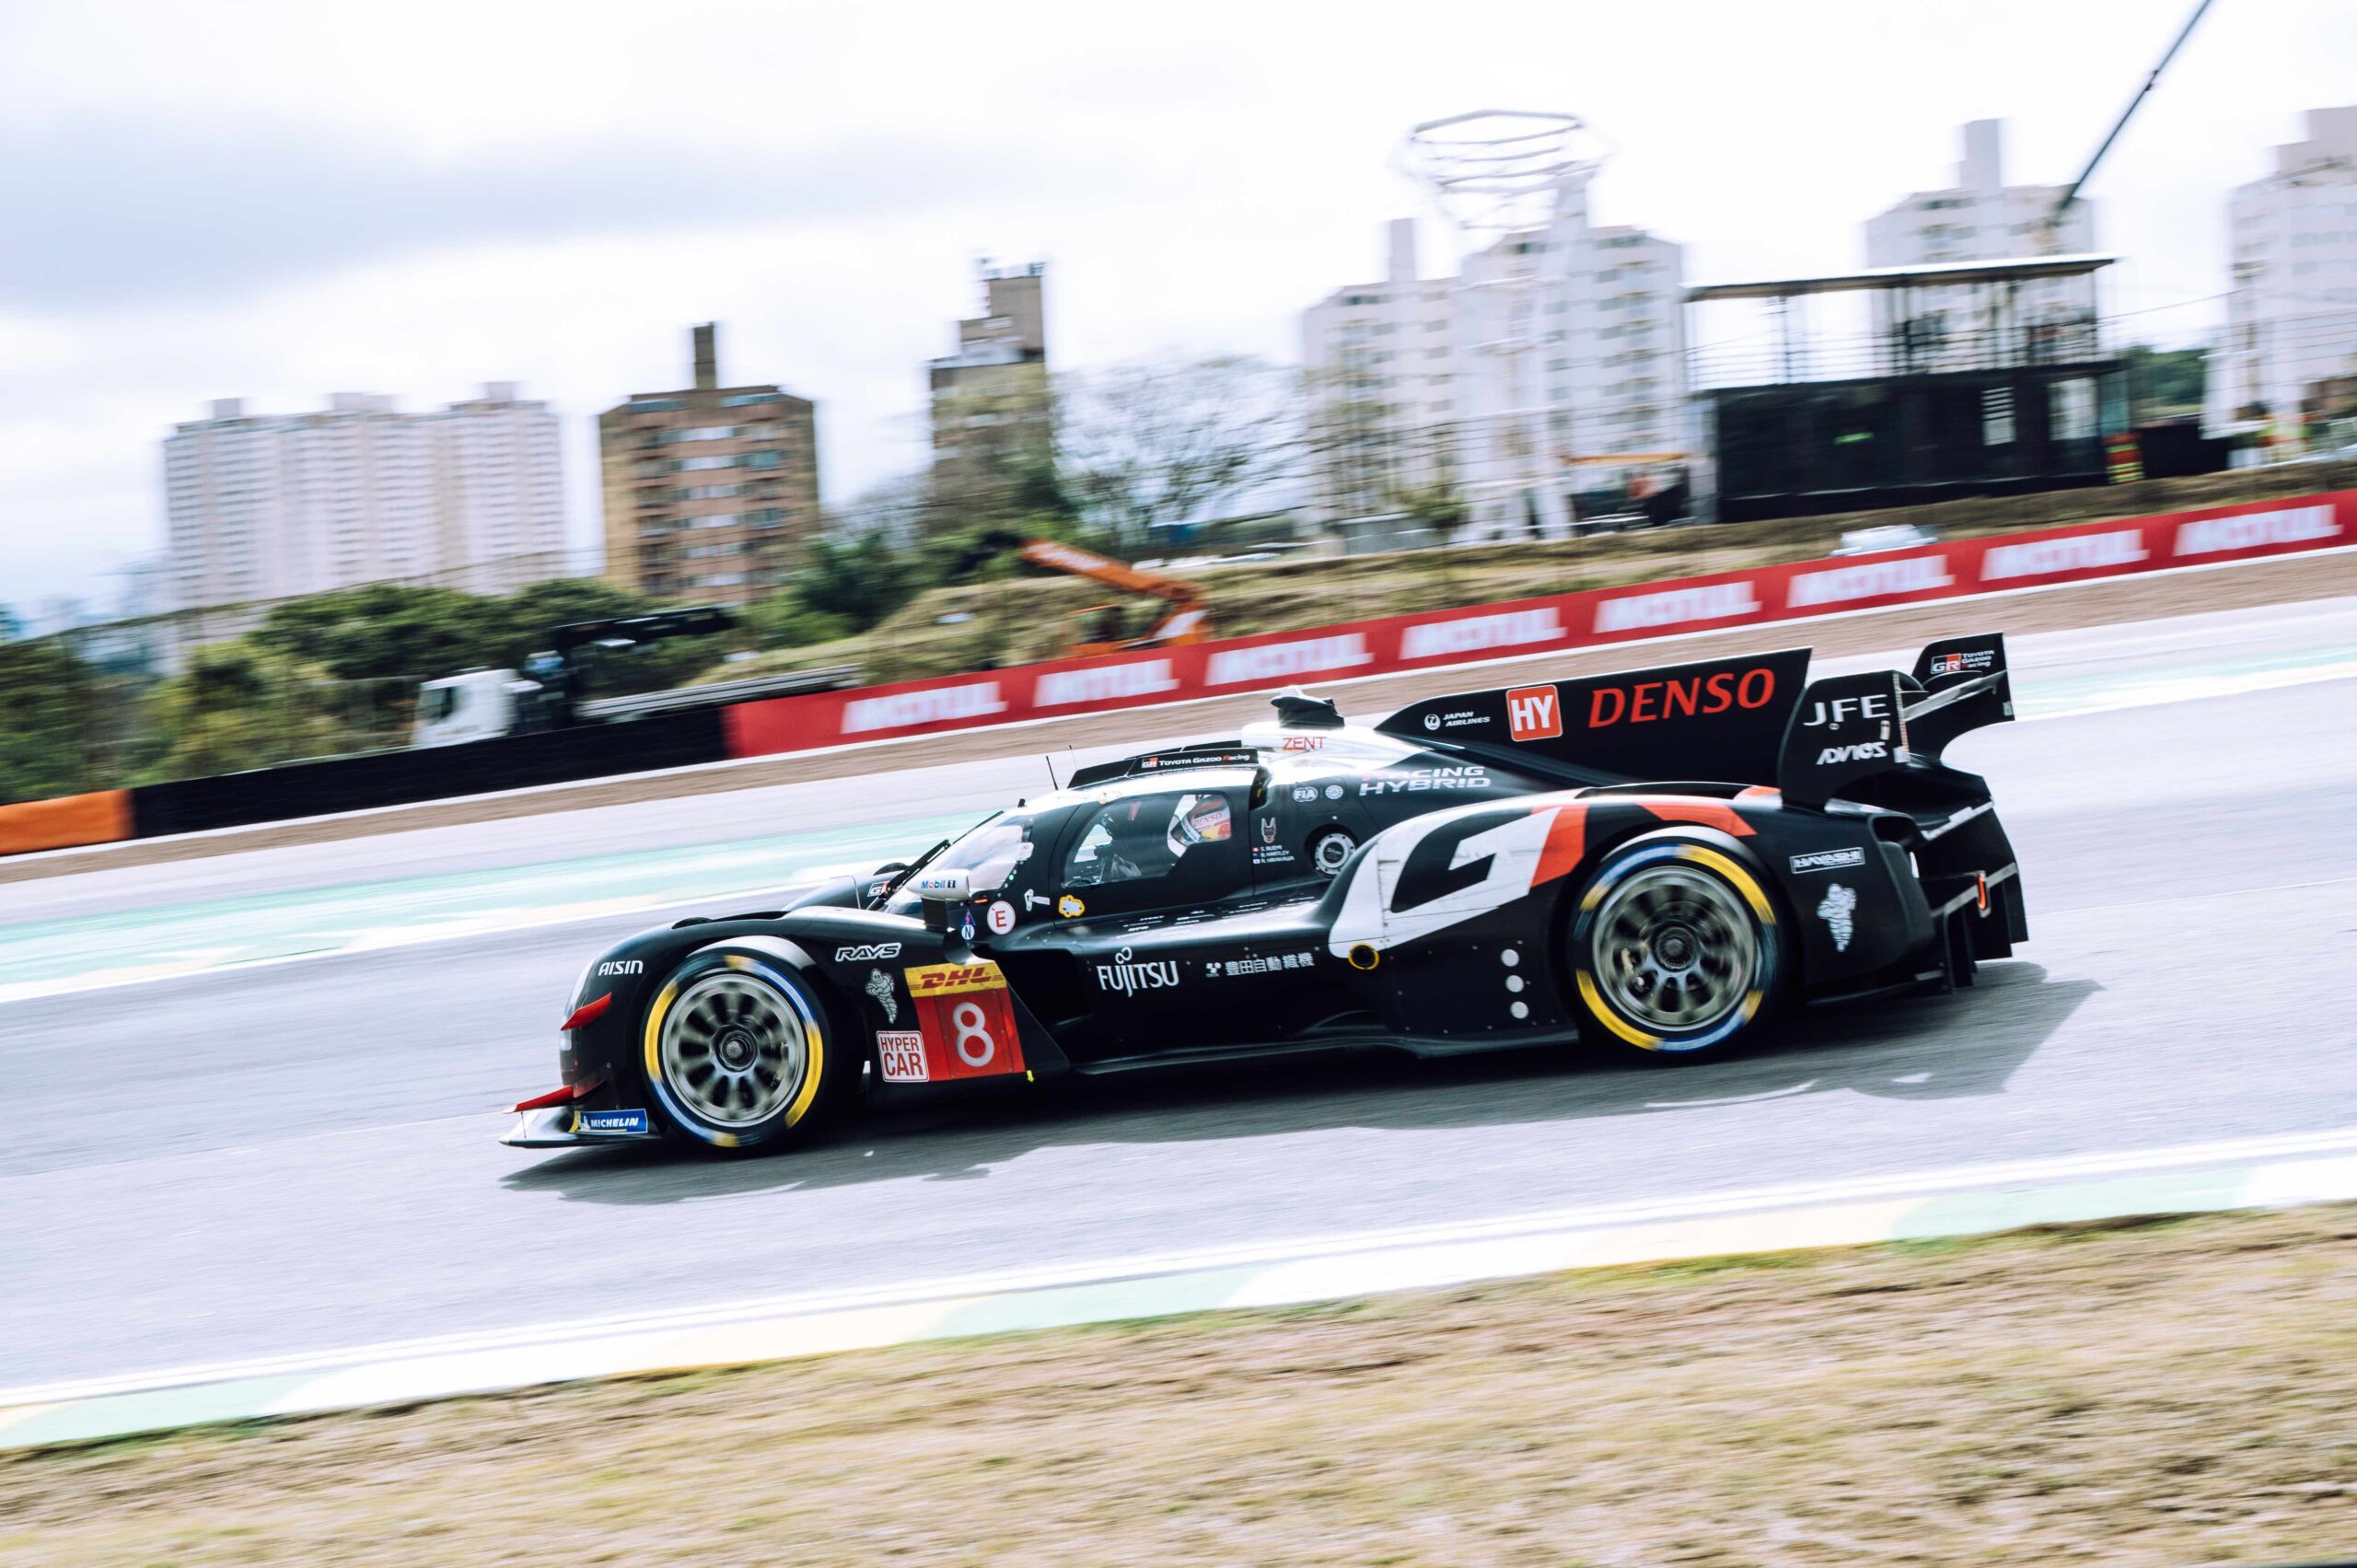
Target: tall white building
column 2289, row 347
column 1981, row 218
column 1518, row 383
column 269, row 505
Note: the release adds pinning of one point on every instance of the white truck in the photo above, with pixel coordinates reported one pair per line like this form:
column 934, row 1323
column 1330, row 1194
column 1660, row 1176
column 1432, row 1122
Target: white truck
column 484, row 704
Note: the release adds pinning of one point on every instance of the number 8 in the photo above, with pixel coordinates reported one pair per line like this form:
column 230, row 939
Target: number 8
column 973, row 1023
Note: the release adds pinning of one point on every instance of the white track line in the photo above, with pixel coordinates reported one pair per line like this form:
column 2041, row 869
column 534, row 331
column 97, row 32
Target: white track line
column 1934, row 1182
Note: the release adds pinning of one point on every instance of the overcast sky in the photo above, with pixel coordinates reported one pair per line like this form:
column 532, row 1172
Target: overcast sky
column 275, row 202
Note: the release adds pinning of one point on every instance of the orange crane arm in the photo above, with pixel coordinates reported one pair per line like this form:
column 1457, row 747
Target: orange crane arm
column 1185, row 619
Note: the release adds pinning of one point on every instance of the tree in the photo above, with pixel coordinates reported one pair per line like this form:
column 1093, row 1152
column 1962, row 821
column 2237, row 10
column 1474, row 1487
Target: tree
column 243, row 704
column 2162, row 382
column 1175, row 446
column 385, row 631
column 861, row 580
column 45, row 748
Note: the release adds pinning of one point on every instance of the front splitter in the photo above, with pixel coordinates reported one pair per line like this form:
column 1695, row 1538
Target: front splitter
column 564, row 1127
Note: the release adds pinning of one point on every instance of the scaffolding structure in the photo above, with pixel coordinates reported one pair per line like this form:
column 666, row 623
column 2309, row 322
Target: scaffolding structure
column 1500, row 178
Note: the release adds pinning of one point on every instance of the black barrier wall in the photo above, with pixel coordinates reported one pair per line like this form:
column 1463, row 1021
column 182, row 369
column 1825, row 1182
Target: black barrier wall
column 403, row 778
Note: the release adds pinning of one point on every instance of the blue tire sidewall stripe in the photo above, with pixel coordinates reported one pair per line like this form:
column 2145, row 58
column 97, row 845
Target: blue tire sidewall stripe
column 1618, row 869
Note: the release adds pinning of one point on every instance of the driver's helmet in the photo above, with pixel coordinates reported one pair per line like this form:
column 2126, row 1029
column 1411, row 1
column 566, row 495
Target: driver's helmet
column 1203, row 820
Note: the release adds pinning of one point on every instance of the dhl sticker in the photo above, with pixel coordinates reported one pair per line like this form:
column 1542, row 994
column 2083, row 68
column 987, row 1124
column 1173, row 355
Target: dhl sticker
column 949, row 980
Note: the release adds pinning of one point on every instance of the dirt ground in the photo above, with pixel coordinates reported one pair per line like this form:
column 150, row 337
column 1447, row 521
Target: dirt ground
column 2092, row 604
column 2160, row 1393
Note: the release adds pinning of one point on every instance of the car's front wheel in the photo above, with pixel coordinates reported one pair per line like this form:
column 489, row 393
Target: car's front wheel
column 739, row 1051
column 1675, row 951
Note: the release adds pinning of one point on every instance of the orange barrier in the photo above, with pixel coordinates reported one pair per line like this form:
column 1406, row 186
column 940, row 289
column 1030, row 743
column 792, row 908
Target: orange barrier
column 101, row 818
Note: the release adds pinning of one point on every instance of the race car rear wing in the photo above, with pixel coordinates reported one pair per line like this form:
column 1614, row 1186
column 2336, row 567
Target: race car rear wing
column 1751, row 719
column 1849, row 727
column 1715, row 719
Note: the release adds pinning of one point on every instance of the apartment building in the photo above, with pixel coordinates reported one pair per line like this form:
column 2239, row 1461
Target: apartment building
column 263, row 507
column 992, row 395
column 1981, row 219
column 2289, row 350
column 709, row 491
column 1554, row 362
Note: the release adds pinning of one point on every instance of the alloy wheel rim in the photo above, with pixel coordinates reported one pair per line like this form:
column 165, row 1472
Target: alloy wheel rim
column 734, row 1049
column 1674, row 949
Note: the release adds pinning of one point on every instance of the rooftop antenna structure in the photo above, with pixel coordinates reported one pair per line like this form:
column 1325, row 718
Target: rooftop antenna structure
column 1503, row 178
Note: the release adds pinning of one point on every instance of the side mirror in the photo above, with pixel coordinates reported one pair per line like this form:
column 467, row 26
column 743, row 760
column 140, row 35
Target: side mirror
column 943, row 887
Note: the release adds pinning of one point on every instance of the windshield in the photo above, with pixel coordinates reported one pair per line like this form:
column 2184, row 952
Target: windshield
column 991, row 850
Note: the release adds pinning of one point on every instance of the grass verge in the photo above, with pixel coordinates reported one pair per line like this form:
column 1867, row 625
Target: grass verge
column 1030, row 617
column 2133, row 1393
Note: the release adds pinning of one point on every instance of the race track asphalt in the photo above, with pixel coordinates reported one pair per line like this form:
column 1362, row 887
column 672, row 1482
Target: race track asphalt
column 301, row 1157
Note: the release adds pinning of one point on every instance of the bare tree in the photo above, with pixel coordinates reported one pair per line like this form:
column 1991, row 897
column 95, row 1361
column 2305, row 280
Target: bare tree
column 1174, row 444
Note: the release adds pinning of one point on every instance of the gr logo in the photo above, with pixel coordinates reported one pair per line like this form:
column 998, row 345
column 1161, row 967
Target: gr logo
column 1534, row 712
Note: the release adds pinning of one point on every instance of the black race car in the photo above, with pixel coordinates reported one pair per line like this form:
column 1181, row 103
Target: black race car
column 1663, row 861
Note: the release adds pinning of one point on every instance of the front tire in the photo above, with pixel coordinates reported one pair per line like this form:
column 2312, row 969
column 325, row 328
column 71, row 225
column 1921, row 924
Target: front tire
column 740, row 1052
column 1675, row 951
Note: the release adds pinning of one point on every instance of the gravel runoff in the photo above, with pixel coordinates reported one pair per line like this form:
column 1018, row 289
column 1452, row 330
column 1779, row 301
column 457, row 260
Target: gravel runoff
column 2129, row 1393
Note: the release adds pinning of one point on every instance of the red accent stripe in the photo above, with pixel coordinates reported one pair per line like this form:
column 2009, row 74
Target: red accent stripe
column 587, row 1013
column 541, row 1102
column 1566, row 842
column 1710, row 813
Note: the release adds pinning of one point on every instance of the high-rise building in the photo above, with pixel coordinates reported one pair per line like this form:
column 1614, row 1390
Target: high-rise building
column 268, row 505
column 2288, row 351
column 1557, row 356
column 1981, row 218
column 709, row 491
column 992, row 395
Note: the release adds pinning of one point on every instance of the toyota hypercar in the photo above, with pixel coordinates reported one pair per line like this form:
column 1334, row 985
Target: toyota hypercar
column 1663, row 862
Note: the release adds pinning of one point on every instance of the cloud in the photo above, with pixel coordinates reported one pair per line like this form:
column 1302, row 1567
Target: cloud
column 117, row 213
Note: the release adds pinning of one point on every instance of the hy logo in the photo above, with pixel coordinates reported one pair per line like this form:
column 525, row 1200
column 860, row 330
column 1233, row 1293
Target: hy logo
column 1534, row 712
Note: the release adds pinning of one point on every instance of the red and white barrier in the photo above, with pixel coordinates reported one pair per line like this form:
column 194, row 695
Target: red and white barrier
column 1952, row 569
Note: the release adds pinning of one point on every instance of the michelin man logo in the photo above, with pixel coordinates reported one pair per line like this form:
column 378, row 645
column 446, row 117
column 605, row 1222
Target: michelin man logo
column 1839, row 905
column 879, row 986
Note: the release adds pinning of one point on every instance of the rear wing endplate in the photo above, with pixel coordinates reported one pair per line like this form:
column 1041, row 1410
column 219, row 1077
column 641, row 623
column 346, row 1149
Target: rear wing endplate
column 1849, row 727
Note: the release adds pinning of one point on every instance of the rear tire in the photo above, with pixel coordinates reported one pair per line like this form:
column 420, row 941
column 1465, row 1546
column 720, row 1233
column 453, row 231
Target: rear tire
column 741, row 1054
column 1676, row 952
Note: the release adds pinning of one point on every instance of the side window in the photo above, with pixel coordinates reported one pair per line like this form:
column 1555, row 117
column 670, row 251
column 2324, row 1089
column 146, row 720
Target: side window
column 1155, row 848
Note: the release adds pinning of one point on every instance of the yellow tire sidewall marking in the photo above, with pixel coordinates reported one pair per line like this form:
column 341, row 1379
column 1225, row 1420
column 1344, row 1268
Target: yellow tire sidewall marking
column 814, row 1040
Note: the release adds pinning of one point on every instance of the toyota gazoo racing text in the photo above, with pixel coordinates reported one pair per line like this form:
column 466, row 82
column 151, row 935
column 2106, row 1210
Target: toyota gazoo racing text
column 1661, row 862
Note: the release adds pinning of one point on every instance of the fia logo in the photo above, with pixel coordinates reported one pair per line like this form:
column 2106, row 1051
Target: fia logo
column 1534, row 712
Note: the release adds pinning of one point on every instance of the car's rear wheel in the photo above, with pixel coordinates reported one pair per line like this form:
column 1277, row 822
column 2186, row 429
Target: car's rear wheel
column 1675, row 951
column 738, row 1051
